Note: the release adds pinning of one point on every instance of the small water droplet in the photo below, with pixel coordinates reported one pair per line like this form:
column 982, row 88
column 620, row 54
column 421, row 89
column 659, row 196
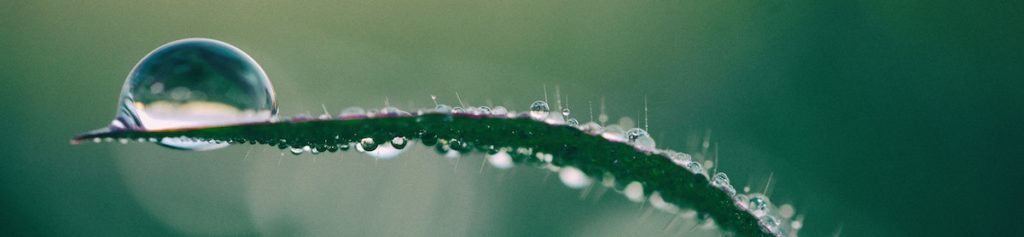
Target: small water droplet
column 500, row 160
column 565, row 112
column 296, row 150
column 695, row 167
column 352, row 111
column 634, row 191
column 591, row 128
column 640, row 138
column 194, row 82
column 391, row 110
column 635, row 133
column 385, row 152
column 539, row 110
column 573, row 177
column 758, row 204
column 572, row 122
column 483, row 110
column 399, row 142
column 720, row 179
column 458, row 110
column 367, row 144
column 442, row 108
column 499, row 110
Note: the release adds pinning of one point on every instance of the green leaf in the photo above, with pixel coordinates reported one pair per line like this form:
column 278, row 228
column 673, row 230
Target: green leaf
column 523, row 137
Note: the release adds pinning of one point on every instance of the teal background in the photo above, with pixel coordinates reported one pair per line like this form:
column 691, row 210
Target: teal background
column 882, row 118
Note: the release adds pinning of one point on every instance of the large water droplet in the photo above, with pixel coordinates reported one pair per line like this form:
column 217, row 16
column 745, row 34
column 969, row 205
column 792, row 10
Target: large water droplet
column 539, row 110
column 192, row 83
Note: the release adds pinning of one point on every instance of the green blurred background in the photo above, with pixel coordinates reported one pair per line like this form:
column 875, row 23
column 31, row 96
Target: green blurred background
column 882, row 118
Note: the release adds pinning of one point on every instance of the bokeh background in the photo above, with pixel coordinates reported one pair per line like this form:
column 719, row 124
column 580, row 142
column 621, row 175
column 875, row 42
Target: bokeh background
column 877, row 118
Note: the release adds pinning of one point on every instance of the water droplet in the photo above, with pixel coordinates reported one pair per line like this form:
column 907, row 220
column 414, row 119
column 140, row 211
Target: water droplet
column 591, row 128
column 634, row 191
column 758, row 204
column 499, row 110
column 391, row 110
column 366, row 144
column 539, row 110
column 573, row 177
column 500, row 160
column 459, row 145
column 352, row 111
column 296, row 150
column 572, row 122
column 458, row 110
column 565, row 112
column 384, row 152
column 720, row 179
column 640, row 138
column 483, row 110
column 695, row 167
column 635, row 133
column 399, row 142
column 442, row 108
column 194, row 82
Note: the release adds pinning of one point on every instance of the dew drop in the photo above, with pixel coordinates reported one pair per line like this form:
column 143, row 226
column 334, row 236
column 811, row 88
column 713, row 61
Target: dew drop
column 679, row 158
column 483, row 110
column 384, row 152
column 500, row 160
column 296, row 150
column 539, row 110
column 442, row 108
column 758, row 204
column 565, row 112
column 392, row 111
column 399, row 142
column 353, row 111
column 573, row 177
column 572, row 122
column 499, row 110
column 634, row 191
column 720, row 179
column 591, row 128
column 695, row 167
column 635, row 133
column 640, row 138
column 367, row 144
column 191, row 83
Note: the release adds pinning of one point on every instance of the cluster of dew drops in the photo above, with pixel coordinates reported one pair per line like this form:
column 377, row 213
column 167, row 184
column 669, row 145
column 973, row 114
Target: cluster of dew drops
column 146, row 98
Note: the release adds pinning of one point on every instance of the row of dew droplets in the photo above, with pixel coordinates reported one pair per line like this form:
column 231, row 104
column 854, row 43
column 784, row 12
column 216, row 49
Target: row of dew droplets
column 194, row 82
column 203, row 82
